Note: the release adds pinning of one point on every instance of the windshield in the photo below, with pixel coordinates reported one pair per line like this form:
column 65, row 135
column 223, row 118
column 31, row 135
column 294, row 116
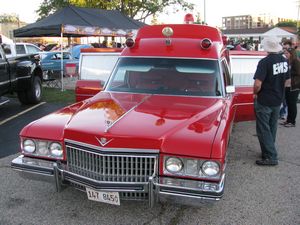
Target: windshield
column 196, row 77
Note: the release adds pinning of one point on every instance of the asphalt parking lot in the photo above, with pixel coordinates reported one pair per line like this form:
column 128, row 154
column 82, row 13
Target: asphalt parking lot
column 253, row 195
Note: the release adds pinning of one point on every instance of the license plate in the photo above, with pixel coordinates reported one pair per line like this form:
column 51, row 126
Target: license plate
column 106, row 197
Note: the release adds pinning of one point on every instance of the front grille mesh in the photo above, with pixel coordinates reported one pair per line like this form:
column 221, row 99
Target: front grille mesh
column 109, row 167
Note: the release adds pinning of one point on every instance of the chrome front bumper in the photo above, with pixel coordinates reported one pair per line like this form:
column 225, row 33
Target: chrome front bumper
column 162, row 189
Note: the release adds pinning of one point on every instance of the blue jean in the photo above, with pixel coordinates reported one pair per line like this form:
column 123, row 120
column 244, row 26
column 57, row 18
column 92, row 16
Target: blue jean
column 266, row 128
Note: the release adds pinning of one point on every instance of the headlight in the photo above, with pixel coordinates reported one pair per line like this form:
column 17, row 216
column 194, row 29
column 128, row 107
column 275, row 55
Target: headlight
column 174, row 165
column 210, row 168
column 29, row 146
column 56, row 149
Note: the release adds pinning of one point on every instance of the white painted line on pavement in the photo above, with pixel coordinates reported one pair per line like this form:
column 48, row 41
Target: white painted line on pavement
column 21, row 113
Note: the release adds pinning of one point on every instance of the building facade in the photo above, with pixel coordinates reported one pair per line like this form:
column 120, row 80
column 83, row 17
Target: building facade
column 250, row 21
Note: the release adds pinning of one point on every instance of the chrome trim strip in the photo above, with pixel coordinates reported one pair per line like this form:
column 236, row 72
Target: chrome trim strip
column 120, row 155
column 191, row 96
column 121, row 117
column 241, row 104
column 220, row 184
column 167, row 57
column 25, row 77
column 189, row 196
column 14, row 80
column 4, row 82
column 113, row 150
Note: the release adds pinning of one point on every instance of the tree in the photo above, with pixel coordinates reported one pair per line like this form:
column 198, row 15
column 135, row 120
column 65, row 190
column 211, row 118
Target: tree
column 9, row 18
column 137, row 9
column 289, row 23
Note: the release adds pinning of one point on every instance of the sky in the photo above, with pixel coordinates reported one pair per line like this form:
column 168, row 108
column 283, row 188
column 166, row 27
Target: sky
column 215, row 9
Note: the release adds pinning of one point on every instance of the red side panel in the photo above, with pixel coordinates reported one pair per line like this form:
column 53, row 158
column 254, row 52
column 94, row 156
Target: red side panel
column 87, row 88
column 243, row 100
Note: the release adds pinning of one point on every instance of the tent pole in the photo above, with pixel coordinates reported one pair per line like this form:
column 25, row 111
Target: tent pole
column 61, row 62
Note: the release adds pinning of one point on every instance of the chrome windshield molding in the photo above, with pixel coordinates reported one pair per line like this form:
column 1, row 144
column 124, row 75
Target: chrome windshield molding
column 121, row 117
column 112, row 150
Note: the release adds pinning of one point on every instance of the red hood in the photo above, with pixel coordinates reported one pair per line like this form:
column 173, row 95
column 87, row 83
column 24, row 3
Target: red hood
column 173, row 124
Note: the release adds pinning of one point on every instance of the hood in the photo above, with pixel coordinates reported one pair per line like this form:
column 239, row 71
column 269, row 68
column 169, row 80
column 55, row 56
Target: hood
column 173, row 124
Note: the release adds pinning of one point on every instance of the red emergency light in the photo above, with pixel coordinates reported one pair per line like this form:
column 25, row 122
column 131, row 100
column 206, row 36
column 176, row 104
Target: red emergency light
column 189, row 18
column 129, row 42
column 206, row 43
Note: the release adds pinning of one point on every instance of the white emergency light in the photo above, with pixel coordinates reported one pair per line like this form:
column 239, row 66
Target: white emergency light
column 168, row 32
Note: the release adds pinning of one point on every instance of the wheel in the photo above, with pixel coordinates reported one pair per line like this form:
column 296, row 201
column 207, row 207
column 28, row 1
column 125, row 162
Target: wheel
column 34, row 94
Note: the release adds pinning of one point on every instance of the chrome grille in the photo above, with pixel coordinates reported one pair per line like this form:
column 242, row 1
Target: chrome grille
column 111, row 167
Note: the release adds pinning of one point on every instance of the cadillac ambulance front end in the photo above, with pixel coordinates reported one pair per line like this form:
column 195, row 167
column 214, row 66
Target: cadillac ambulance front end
column 158, row 132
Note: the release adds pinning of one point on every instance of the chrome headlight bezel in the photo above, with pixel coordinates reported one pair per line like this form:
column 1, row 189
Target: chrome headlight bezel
column 193, row 168
column 43, row 148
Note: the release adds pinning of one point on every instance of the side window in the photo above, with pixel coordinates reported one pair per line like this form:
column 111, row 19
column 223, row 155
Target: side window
column 20, row 49
column 6, row 49
column 32, row 49
column 225, row 73
column 66, row 55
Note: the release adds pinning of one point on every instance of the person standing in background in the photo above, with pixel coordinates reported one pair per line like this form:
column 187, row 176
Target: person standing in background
column 292, row 87
column 270, row 77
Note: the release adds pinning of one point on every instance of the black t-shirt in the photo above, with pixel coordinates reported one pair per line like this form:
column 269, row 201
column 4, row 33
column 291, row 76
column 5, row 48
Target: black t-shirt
column 273, row 71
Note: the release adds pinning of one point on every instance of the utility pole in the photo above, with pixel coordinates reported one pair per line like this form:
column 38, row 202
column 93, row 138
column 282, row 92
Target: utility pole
column 298, row 23
column 204, row 15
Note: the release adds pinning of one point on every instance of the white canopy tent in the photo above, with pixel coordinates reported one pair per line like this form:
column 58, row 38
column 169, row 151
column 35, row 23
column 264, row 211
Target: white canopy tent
column 281, row 33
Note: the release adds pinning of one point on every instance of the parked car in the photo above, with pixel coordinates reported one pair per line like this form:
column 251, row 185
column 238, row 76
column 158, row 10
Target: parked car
column 51, row 61
column 22, row 75
column 19, row 49
column 159, row 131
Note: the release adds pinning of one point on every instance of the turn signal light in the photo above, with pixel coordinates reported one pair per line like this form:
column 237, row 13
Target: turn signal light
column 206, row 43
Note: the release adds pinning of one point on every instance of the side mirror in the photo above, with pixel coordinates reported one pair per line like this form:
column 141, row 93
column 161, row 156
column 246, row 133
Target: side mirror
column 230, row 89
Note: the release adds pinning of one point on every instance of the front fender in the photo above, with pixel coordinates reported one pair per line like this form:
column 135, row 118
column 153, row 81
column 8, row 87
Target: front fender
column 52, row 126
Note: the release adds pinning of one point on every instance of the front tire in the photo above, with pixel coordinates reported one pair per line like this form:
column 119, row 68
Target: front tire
column 33, row 95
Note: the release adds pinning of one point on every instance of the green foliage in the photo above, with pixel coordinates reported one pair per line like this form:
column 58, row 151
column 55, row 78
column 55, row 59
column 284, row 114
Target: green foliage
column 137, row 9
column 9, row 18
column 290, row 23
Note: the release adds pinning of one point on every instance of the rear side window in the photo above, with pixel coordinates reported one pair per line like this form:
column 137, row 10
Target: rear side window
column 6, row 49
column 20, row 49
column 32, row 49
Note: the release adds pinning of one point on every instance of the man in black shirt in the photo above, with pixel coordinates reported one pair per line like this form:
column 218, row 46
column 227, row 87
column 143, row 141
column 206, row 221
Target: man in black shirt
column 270, row 77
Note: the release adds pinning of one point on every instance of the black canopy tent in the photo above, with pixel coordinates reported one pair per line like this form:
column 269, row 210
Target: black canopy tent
column 78, row 22
column 74, row 21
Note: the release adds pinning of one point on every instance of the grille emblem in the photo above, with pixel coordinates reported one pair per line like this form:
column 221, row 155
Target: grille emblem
column 103, row 141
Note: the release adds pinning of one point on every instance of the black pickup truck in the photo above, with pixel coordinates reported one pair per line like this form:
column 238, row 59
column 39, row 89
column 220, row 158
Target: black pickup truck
column 22, row 75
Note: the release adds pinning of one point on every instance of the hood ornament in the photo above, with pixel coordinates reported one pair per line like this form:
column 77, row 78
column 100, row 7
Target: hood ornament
column 103, row 141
